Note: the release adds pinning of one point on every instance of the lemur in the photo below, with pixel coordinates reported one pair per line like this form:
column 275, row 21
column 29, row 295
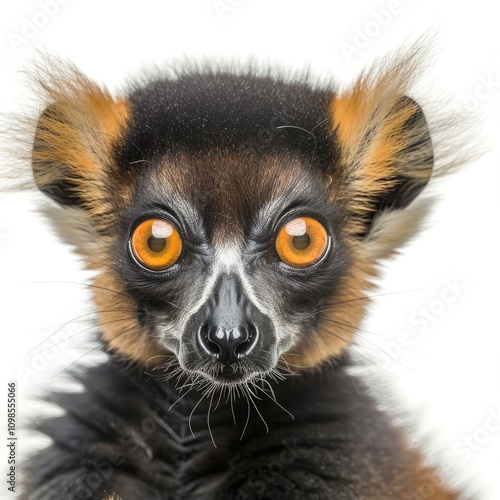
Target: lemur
column 236, row 219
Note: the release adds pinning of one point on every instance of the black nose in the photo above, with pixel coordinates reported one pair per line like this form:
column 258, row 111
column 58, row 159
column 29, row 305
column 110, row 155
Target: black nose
column 228, row 345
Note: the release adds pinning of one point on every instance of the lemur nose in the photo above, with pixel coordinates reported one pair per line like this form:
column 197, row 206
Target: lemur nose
column 228, row 345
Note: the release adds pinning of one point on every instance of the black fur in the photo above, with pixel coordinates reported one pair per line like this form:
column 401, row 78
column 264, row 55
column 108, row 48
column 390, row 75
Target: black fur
column 207, row 110
column 123, row 435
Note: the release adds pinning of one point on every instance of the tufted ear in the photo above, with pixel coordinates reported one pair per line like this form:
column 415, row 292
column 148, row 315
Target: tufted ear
column 72, row 149
column 386, row 148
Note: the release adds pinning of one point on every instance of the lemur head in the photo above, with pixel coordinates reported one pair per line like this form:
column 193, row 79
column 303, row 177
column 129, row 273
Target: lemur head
column 235, row 220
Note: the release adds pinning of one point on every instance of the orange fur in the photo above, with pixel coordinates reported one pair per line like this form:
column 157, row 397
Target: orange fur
column 369, row 120
column 341, row 316
column 119, row 325
column 75, row 135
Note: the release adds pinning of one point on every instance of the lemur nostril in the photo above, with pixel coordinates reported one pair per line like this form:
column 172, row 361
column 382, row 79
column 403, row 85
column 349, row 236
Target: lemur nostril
column 228, row 345
column 245, row 347
column 208, row 345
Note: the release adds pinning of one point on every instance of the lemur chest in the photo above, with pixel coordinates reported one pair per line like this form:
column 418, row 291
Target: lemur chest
column 186, row 442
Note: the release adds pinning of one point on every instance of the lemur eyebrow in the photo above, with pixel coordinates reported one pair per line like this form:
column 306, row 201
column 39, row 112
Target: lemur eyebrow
column 270, row 215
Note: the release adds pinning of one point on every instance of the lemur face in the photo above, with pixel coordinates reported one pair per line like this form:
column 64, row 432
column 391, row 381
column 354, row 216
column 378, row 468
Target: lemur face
column 229, row 270
column 235, row 221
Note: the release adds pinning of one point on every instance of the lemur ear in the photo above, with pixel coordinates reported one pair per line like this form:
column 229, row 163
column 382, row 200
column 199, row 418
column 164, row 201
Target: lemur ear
column 414, row 156
column 71, row 154
column 385, row 144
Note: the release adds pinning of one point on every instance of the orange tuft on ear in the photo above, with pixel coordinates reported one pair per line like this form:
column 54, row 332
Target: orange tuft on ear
column 386, row 151
column 74, row 138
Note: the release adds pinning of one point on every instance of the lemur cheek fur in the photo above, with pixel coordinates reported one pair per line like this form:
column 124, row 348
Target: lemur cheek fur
column 120, row 326
column 236, row 221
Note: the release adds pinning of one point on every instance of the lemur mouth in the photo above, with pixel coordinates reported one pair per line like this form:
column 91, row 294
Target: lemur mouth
column 230, row 375
column 214, row 374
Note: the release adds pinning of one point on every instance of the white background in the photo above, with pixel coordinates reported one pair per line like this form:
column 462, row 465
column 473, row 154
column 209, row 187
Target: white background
column 448, row 375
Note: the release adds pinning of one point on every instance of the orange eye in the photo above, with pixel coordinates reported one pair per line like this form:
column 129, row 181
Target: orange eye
column 156, row 244
column 302, row 242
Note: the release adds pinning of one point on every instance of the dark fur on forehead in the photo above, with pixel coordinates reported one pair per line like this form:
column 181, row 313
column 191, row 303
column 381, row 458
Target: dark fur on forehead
column 227, row 143
column 227, row 190
column 205, row 110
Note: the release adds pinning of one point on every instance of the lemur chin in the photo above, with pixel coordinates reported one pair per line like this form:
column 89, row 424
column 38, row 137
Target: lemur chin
column 236, row 220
